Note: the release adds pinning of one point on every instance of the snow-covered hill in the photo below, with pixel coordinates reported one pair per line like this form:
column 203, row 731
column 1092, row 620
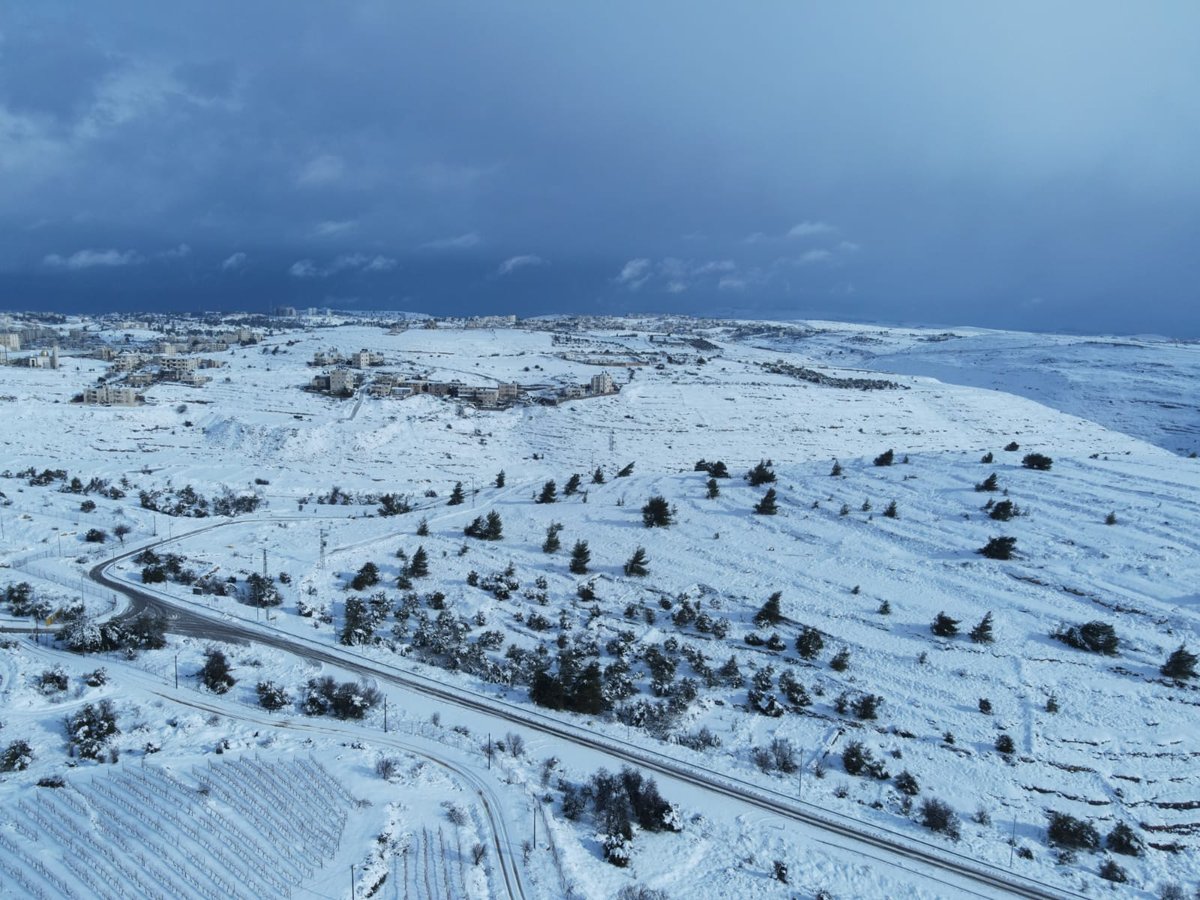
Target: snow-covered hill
column 1106, row 534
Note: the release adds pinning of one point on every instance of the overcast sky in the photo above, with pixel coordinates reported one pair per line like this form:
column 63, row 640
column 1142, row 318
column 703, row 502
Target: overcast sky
column 1032, row 165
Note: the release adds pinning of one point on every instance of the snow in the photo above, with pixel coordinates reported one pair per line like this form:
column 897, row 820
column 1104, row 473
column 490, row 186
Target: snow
column 1121, row 747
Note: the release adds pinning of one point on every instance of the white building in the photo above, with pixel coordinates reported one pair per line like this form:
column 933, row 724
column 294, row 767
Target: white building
column 108, row 395
column 602, row 383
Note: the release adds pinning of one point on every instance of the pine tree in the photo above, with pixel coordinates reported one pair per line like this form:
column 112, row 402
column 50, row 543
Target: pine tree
column 580, row 557
column 215, row 673
column 761, row 474
column 982, row 633
column 418, row 567
column 456, row 496
column 714, row 489
column 766, row 506
column 836, row 471
column 944, row 626
column 809, row 642
column 656, row 513
column 1180, row 664
column 769, row 614
column 500, row 479
column 423, row 528
column 598, row 476
column 991, row 483
column 891, row 512
column 886, row 458
column 637, row 564
column 549, row 492
column 718, row 470
column 572, row 485
column 552, row 542
column 626, row 472
column 367, row 576
column 494, row 529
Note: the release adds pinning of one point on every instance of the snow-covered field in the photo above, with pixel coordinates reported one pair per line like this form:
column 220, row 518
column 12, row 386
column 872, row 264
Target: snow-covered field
column 1107, row 534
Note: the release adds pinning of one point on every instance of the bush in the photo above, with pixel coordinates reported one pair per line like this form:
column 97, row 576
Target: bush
column 840, row 661
column 1110, row 871
column 1004, row 511
column 886, row 458
column 1123, row 839
column 939, row 817
column 271, row 695
column 906, row 783
column 1012, row 447
column 1005, row 745
column 991, row 483
column 1095, row 637
column 1038, row 461
column 215, row 672
column 1064, row 830
column 999, row 548
column 16, row 757
column 95, row 536
column 89, row 729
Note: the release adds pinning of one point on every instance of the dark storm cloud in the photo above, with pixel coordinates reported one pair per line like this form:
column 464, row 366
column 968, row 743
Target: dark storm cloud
column 1029, row 165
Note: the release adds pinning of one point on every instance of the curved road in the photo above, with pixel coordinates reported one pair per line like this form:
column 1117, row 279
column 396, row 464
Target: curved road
column 182, row 620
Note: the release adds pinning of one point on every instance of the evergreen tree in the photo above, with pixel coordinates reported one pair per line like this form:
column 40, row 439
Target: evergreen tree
column 891, row 512
column 991, row 483
column 836, row 471
column 718, row 470
column 456, row 496
column 766, row 506
column 809, row 642
column 418, row 567
column 761, row 474
column 475, row 528
column 358, row 626
column 944, row 626
column 572, row 485
column 423, row 528
column 552, row 542
column 656, row 513
column 987, row 458
column 598, row 476
column 769, row 614
column 215, row 673
column 626, row 472
column 500, row 479
column 982, row 633
column 1180, row 664
column 580, row 557
column 549, row 492
column 714, row 490
column 886, row 458
column 494, row 528
column 367, row 576
column 999, row 548
column 637, row 564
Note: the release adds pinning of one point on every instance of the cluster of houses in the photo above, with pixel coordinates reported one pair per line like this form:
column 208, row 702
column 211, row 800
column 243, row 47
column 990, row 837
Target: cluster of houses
column 342, row 382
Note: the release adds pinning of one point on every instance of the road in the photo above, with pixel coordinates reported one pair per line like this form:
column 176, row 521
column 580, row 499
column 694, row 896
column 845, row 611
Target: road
column 899, row 848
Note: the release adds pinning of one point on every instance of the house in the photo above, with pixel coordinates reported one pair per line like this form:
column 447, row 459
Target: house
column 341, row 381
column 108, row 395
column 602, row 383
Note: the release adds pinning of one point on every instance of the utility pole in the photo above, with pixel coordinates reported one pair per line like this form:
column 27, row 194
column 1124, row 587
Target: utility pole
column 351, row 881
column 535, row 823
column 385, row 714
column 264, row 553
column 1012, row 843
column 322, row 549
column 176, row 671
